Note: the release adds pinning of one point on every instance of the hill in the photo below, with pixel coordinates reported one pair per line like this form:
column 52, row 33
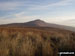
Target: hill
column 39, row 23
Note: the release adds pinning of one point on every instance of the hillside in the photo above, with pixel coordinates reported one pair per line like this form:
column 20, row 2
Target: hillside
column 35, row 41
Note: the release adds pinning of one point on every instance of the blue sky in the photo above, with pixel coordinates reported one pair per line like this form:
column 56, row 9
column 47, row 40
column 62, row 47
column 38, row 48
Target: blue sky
column 53, row 11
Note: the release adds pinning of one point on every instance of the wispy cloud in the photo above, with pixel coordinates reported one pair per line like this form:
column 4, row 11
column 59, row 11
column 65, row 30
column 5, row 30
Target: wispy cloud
column 17, row 17
column 11, row 5
column 70, row 22
column 8, row 5
column 60, row 3
column 21, row 17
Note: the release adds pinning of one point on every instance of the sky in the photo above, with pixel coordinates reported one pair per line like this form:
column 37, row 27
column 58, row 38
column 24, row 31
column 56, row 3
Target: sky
column 52, row 11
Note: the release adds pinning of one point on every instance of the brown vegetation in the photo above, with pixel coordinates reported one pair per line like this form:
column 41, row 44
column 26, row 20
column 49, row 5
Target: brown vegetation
column 35, row 41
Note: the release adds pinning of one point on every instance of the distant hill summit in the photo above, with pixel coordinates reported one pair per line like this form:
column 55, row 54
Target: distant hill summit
column 38, row 23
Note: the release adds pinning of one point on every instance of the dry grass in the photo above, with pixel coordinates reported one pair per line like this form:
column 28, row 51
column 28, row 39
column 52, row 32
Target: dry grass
column 35, row 41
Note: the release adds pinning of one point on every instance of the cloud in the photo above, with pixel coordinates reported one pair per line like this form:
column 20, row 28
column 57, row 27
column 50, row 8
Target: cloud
column 21, row 17
column 60, row 3
column 8, row 5
column 70, row 22
column 18, row 17
column 19, row 14
column 13, row 5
